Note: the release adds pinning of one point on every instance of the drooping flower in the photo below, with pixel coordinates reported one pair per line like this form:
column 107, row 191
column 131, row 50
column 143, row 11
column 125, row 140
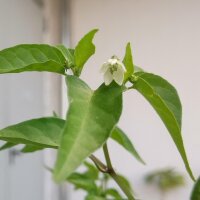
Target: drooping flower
column 113, row 69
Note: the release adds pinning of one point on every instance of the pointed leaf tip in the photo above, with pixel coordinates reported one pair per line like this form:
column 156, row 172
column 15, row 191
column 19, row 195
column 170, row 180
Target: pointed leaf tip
column 128, row 62
column 84, row 50
column 121, row 138
column 94, row 116
column 165, row 100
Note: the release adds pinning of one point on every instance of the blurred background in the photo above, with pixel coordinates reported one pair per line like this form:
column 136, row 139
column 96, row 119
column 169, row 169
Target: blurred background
column 165, row 37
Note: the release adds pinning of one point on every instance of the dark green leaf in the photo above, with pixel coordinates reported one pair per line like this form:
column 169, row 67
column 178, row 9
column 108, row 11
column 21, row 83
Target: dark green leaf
column 120, row 137
column 84, row 50
column 90, row 119
column 7, row 145
column 31, row 57
column 196, row 191
column 164, row 99
column 128, row 62
column 31, row 148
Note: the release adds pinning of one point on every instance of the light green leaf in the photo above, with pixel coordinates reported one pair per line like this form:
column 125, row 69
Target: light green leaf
column 43, row 132
column 84, row 50
column 196, row 191
column 68, row 54
column 128, row 62
column 90, row 119
column 120, row 137
column 164, row 99
column 32, row 57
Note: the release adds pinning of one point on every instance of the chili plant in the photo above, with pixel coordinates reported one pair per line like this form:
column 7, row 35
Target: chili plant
column 93, row 115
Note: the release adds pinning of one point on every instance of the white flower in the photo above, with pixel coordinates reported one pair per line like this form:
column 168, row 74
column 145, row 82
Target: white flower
column 113, row 69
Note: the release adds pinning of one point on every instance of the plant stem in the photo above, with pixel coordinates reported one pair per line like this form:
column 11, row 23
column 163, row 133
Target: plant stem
column 107, row 156
column 114, row 175
column 123, row 187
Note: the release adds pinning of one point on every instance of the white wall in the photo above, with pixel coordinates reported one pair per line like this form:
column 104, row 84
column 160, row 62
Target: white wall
column 20, row 99
column 165, row 37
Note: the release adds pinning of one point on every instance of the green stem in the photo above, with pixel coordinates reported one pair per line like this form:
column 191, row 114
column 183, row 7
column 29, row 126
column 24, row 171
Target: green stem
column 114, row 175
column 107, row 156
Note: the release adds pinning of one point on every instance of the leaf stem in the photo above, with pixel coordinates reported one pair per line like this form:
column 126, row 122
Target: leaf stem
column 114, row 175
column 100, row 166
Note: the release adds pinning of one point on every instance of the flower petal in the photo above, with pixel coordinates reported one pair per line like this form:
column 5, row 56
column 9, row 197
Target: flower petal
column 108, row 77
column 113, row 61
column 104, row 67
column 118, row 76
column 121, row 65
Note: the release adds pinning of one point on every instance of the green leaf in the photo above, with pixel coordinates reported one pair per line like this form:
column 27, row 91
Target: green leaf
column 120, row 137
column 43, row 132
column 125, row 182
column 31, row 148
column 94, row 197
column 32, row 57
column 164, row 99
column 24, row 133
column 84, row 50
column 128, row 62
column 81, row 181
column 7, row 145
column 113, row 193
column 92, row 172
column 68, row 54
column 165, row 179
column 196, row 191
column 90, row 119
